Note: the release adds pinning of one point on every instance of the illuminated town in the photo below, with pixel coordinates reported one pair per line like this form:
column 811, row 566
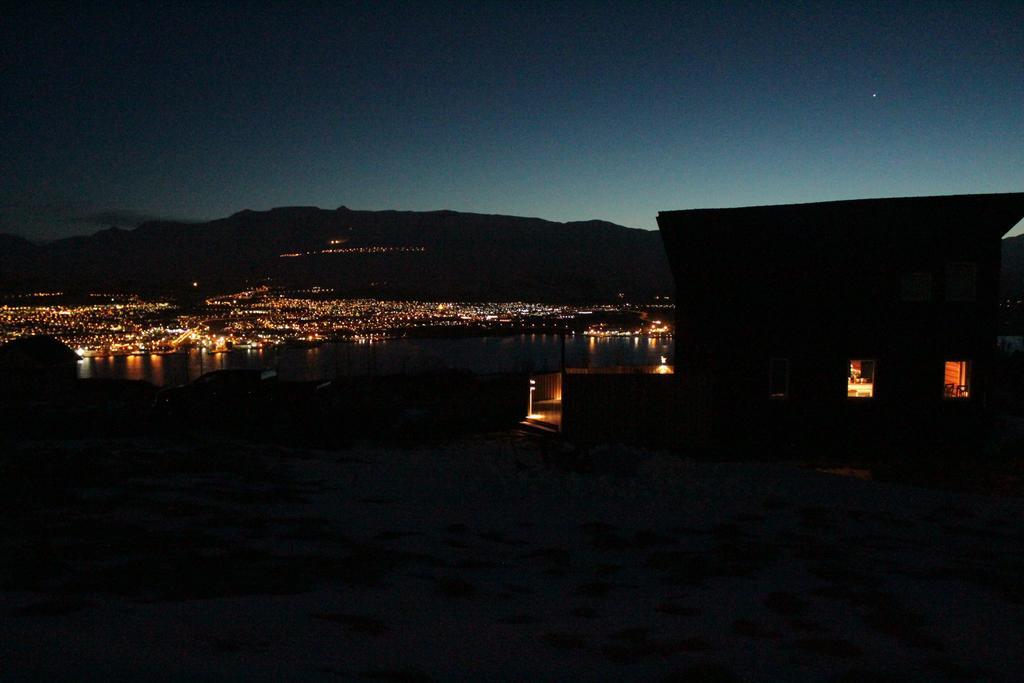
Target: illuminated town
column 118, row 324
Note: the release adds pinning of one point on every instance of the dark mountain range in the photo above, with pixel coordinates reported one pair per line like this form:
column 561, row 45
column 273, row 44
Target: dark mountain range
column 15, row 247
column 432, row 255
column 15, row 253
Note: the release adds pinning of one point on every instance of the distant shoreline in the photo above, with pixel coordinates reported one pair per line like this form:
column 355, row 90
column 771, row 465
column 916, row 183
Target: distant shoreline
column 376, row 339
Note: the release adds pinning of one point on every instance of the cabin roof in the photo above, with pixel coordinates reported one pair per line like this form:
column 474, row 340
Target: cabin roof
column 840, row 204
column 984, row 215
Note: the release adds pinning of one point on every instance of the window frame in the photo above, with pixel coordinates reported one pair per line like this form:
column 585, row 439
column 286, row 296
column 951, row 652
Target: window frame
column 874, row 379
column 968, row 371
column 968, row 266
column 909, row 279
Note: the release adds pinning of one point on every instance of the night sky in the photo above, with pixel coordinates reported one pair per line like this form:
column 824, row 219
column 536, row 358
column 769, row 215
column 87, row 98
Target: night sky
column 111, row 113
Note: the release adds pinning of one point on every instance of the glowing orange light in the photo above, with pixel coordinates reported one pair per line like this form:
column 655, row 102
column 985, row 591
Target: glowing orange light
column 957, row 378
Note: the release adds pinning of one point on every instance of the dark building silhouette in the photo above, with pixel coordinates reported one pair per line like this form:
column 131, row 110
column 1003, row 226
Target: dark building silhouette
column 37, row 368
column 837, row 324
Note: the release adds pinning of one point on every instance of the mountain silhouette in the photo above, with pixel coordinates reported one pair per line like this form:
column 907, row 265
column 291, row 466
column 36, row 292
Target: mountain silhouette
column 406, row 254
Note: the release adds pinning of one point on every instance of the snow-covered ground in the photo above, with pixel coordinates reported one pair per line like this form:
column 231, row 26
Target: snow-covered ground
column 476, row 561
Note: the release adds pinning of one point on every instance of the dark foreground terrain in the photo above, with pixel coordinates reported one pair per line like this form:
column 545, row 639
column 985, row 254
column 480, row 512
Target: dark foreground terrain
column 148, row 558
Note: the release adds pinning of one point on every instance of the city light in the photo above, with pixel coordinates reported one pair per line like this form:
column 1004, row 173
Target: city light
column 261, row 317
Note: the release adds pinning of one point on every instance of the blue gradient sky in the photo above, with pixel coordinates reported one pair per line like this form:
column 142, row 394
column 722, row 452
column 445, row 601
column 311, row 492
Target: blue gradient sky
column 567, row 111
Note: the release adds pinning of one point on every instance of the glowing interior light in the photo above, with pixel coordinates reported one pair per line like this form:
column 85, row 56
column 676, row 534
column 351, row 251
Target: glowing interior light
column 957, row 379
column 860, row 382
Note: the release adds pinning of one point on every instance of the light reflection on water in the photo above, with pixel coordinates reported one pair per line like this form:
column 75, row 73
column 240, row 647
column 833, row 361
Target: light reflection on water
column 522, row 353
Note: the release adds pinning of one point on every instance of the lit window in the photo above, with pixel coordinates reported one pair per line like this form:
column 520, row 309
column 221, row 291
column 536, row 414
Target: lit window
column 960, row 281
column 916, row 287
column 860, row 380
column 778, row 378
column 957, row 379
